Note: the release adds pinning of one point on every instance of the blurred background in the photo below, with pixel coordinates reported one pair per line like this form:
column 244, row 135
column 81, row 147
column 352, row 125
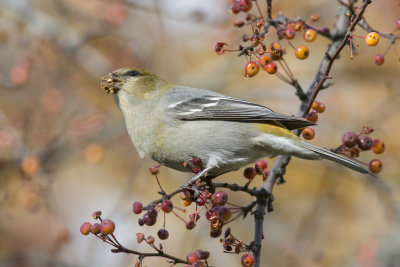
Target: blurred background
column 64, row 150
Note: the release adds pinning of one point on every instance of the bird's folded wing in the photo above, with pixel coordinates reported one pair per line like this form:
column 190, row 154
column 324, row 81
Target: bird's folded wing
column 219, row 107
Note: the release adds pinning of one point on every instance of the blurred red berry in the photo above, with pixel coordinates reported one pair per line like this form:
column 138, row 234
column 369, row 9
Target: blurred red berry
column 85, row 228
column 220, row 198
column 137, row 207
column 398, row 23
column 379, row 59
column 166, row 205
column 184, row 194
column 95, row 229
column 107, row 227
column 290, row 33
column 349, row 139
column 96, row 214
column 249, row 173
column 219, row 48
column 248, row 260
column 192, row 257
column 139, row 237
column 271, row 68
column 312, row 116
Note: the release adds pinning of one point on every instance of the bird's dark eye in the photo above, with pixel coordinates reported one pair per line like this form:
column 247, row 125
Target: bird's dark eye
column 133, row 73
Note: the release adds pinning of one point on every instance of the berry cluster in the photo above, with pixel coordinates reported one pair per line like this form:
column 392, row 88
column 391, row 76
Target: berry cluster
column 308, row 133
column 353, row 144
column 103, row 230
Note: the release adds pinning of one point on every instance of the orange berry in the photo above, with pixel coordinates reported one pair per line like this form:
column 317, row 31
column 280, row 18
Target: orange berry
column 375, row 165
column 372, row 39
column 314, row 17
column 30, row 165
column 298, row 26
column 264, row 60
column 308, row 133
column 310, row 35
column 302, row 52
column 251, row 69
column 271, row 68
column 378, row 146
column 320, row 108
column 315, row 105
column 85, row 228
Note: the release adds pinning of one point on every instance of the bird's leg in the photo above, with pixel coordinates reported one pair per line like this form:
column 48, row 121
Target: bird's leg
column 193, row 180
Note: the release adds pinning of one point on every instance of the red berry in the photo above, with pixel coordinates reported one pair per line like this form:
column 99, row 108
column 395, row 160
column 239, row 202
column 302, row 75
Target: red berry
column 245, row 5
column 137, row 207
column 192, row 257
column 375, row 165
column 85, row 228
column 302, row 52
column 163, row 234
column 364, row 142
column 271, row 68
column 166, row 205
column 290, row 33
column 152, row 212
column 236, row 8
column 107, row 227
column 224, row 213
column 220, row 198
column 95, row 229
column 372, row 39
column 248, row 260
column 140, row 237
column 398, row 23
column 309, row 35
column 249, row 173
column 251, row 69
column 308, row 133
column 312, row 116
column 379, row 59
column 349, row 139
column 378, row 146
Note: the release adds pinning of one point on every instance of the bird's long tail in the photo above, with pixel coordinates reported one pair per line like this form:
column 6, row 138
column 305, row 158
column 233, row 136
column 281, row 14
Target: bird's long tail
column 345, row 161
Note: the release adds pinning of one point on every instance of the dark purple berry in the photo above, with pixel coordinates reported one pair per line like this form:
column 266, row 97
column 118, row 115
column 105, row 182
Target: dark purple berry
column 350, row 139
column 364, row 142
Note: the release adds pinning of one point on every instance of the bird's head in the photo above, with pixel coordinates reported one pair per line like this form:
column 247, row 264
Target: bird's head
column 134, row 83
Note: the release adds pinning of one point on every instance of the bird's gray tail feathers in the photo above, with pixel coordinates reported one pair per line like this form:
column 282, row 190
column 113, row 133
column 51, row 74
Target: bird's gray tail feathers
column 345, row 161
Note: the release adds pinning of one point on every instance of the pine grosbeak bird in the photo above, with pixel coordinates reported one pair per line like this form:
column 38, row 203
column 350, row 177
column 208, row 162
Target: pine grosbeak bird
column 174, row 125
